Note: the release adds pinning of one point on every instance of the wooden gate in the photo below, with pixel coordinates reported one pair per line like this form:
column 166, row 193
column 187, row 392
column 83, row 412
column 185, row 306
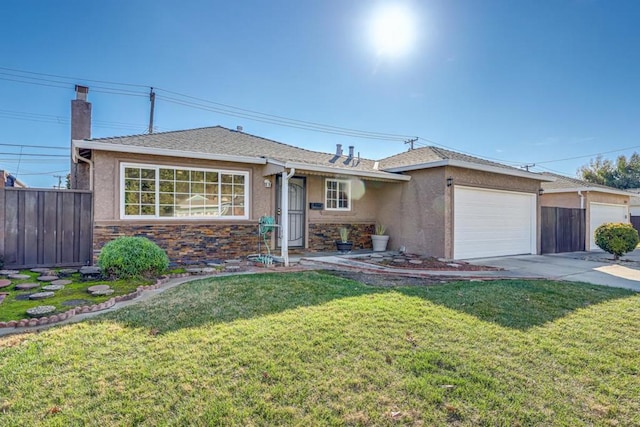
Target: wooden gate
column 635, row 221
column 563, row 230
column 45, row 228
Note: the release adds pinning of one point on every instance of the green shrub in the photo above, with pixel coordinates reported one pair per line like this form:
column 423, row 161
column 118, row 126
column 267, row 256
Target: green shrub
column 127, row 257
column 616, row 238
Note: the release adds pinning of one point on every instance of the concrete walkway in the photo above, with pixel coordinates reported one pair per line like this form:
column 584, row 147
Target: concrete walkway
column 590, row 267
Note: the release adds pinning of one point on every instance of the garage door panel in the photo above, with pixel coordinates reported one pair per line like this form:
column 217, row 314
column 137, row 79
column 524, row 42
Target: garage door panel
column 600, row 213
column 493, row 223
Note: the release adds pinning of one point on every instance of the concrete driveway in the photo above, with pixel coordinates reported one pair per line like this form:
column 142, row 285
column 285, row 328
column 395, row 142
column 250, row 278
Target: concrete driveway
column 595, row 267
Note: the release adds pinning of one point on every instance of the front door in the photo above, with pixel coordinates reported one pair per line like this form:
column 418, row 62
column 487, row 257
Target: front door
column 296, row 209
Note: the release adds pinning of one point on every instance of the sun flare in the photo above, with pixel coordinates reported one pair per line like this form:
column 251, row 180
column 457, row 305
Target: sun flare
column 393, row 30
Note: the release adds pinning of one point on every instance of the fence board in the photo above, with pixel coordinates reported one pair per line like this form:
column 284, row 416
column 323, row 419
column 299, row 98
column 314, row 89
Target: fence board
column 46, row 228
column 563, row 230
column 635, row 221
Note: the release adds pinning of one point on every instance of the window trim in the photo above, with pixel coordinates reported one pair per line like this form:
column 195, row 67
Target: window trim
column 157, row 217
column 347, row 182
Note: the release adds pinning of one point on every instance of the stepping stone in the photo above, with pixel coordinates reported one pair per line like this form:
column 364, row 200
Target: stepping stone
column 61, row 282
column 233, row 261
column 41, row 295
column 97, row 288
column 232, row 267
column 22, row 297
column 377, row 256
column 415, row 261
column 4, row 283
column 8, row 272
column 453, row 264
column 66, row 272
column 48, row 278
column 26, row 286
column 19, row 276
column 40, row 311
column 90, row 273
column 3, row 295
column 53, row 288
column 102, row 293
column 399, row 260
column 43, row 271
column 193, row 270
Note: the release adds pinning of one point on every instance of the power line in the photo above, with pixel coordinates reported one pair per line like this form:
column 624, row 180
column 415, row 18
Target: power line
column 34, row 146
column 72, row 78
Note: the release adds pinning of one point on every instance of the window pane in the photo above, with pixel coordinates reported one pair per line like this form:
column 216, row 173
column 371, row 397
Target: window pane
column 147, row 198
column 147, row 210
column 132, row 209
column 182, row 175
column 167, row 174
column 166, row 210
column 238, row 179
column 166, row 199
column 167, row 186
column 131, row 197
column 197, row 188
column 131, row 184
column 147, row 185
column 182, row 187
column 148, row 173
column 132, row 173
column 212, row 177
column 211, row 189
column 197, row 176
column 227, row 189
column 226, row 178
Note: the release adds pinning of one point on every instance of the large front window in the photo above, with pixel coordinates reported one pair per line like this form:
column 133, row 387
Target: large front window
column 337, row 194
column 171, row 192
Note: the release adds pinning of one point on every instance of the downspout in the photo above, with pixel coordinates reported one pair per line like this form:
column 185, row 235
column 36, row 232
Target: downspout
column 284, row 215
column 76, row 157
column 581, row 199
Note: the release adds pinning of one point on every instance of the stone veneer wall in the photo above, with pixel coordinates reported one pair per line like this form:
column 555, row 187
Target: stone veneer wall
column 322, row 237
column 187, row 243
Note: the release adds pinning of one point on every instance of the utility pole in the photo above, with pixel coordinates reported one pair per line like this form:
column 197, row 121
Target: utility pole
column 59, row 180
column 527, row 166
column 152, row 98
column 411, row 141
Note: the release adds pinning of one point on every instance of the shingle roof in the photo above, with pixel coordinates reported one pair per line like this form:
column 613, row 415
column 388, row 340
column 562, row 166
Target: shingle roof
column 571, row 184
column 220, row 140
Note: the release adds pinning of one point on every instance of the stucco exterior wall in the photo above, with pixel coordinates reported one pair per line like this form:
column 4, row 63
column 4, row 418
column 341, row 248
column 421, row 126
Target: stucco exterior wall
column 569, row 200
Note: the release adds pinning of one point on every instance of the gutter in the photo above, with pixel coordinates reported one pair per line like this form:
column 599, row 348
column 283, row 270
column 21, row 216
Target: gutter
column 93, row 145
column 590, row 189
column 474, row 166
column 75, row 156
column 353, row 172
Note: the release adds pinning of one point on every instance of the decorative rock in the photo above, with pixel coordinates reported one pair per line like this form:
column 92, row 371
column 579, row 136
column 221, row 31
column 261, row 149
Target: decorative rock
column 95, row 288
column 232, row 267
column 19, row 276
column 41, row 295
column 26, row 286
column 66, row 272
column 232, row 261
column 48, row 278
column 377, row 256
column 8, row 272
column 53, row 288
column 102, row 293
column 399, row 260
column 3, row 324
column 12, row 323
column 32, row 322
column 61, row 282
column 22, row 297
column 4, row 283
column 54, row 318
column 43, row 271
column 194, row 270
column 415, row 261
column 453, row 264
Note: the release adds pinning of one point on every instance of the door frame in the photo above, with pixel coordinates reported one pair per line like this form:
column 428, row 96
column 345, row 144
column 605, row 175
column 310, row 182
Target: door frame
column 278, row 206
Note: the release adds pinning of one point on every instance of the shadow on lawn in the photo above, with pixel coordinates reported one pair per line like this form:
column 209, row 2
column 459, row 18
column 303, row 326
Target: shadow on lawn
column 517, row 304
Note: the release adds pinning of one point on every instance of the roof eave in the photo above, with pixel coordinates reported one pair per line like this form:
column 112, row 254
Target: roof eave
column 351, row 172
column 474, row 166
column 134, row 149
column 588, row 189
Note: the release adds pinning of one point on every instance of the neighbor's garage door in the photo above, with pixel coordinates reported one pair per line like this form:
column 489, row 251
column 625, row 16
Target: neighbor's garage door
column 602, row 213
column 493, row 223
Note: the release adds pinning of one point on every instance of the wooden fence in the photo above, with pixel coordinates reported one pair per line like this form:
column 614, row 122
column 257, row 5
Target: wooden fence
column 563, row 230
column 45, row 228
column 635, row 221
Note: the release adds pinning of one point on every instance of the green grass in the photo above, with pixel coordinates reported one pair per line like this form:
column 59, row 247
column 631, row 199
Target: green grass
column 316, row 349
column 13, row 309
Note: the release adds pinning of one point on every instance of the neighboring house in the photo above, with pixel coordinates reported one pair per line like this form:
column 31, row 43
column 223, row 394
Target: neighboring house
column 601, row 204
column 8, row 180
column 199, row 194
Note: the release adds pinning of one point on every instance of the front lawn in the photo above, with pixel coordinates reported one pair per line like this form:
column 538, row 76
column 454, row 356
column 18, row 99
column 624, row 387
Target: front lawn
column 317, row 349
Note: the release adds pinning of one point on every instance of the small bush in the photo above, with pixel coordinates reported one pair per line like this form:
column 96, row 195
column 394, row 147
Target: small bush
column 127, row 257
column 616, row 238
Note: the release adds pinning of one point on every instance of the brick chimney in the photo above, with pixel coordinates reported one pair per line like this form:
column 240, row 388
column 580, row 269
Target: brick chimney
column 80, row 129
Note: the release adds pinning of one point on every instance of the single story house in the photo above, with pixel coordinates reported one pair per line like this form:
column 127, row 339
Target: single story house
column 199, row 193
column 601, row 204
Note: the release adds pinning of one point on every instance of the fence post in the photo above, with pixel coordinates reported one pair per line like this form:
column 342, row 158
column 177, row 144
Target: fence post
column 2, row 216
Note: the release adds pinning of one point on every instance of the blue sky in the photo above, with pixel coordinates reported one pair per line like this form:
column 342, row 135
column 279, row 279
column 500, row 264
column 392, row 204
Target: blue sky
column 517, row 81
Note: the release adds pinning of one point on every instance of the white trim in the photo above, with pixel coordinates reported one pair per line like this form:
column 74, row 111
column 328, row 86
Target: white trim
column 474, row 166
column 589, row 189
column 350, row 172
column 103, row 146
column 157, row 216
column 349, row 199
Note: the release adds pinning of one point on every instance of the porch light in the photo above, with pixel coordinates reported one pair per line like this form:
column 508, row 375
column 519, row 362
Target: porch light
column 267, row 183
column 540, row 191
column 449, row 182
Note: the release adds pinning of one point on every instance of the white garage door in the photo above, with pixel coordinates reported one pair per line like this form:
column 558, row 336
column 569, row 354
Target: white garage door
column 493, row 223
column 602, row 213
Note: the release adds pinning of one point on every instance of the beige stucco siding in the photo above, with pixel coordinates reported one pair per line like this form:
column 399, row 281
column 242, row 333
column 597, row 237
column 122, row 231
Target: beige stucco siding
column 107, row 184
column 570, row 200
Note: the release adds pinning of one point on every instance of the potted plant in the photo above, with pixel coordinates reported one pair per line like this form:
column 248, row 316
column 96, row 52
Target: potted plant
column 344, row 245
column 379, row 239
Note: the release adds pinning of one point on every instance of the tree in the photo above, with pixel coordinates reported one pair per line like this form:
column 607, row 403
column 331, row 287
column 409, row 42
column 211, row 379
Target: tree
column 623, row 173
